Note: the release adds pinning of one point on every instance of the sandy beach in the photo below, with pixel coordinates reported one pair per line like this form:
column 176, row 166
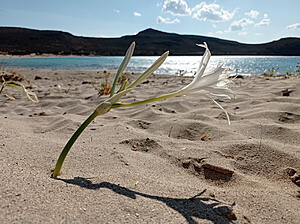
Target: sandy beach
column 172, row 161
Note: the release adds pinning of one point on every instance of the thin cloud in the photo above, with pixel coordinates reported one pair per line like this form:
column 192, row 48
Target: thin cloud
column 265, row 21
column 240, row 24
column 211, row 12
column 137, row 14
column 295, row 26
column 116, row 10
column 167, row 20
column 176, row 7
column 243, row 33
column 252, row 14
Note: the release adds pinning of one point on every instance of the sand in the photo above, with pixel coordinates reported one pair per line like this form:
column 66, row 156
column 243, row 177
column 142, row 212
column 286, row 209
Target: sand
column 173, row 161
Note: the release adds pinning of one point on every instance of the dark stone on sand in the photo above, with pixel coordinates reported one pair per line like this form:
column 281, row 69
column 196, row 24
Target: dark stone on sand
column 186, row 164
column 291, row 171
column 86, row 82
column 146, row 82
column 286, row 92
column 37, row 77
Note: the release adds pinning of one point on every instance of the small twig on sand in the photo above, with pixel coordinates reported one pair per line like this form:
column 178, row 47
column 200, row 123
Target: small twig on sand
column 169, row 135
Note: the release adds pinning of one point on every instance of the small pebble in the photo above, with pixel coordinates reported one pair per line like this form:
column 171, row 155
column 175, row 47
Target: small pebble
column 291, row 171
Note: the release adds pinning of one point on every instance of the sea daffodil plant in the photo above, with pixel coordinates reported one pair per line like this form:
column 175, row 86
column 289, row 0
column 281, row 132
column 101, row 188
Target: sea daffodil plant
column 214, row 83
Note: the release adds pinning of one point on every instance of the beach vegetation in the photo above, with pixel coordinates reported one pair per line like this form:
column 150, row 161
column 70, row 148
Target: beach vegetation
column 106, row 86
column 271, row 72
column 298, row 69
column 212, row 84
column 13, row 79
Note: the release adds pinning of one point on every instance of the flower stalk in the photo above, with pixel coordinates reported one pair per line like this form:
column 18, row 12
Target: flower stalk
column 70, row 143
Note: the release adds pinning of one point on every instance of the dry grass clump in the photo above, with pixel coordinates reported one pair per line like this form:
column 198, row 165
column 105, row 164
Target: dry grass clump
column 125, row 77
column 11, row 76
column 106, row 85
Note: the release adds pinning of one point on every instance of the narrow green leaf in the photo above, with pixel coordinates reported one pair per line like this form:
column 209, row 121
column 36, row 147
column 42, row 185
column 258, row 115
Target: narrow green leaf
column 116, row 97
column 123, row 86
column 150, row 70
column 122, row 67
column 2, row 87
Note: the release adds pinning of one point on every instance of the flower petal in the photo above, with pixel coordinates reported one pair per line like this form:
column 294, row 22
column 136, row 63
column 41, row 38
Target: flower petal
column 204, row 60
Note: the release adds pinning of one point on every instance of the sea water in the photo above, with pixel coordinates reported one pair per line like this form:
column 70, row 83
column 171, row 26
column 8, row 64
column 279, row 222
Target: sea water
column 174, row 65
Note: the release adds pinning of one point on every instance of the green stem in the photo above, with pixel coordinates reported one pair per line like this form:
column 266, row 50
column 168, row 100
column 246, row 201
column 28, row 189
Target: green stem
column 71, row 141
column 166, row 96
column 2, row 87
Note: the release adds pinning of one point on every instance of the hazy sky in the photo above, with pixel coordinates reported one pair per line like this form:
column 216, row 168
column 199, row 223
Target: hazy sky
column 250, row 21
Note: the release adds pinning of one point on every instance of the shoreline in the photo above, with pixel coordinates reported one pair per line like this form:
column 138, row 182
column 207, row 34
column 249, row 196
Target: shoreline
column 172, row 66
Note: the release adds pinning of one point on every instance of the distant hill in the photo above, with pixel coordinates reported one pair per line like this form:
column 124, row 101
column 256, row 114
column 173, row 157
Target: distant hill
column 21, row 41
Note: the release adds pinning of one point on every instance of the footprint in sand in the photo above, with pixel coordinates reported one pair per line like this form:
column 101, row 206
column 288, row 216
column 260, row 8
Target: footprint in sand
column 142, row 145
column 287, row 117
column 260, row 159
column 141, row 124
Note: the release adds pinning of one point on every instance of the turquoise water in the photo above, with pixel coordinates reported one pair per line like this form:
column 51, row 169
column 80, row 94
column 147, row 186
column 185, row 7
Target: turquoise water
column 188, row 64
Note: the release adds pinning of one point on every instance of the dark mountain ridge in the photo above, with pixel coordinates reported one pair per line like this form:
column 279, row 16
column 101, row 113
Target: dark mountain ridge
column 22, row 41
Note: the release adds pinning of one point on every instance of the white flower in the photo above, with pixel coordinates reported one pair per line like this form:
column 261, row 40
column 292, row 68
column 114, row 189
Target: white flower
column 213, row 83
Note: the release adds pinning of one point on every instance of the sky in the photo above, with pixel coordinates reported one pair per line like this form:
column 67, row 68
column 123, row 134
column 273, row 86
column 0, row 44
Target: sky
column 247, row 21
